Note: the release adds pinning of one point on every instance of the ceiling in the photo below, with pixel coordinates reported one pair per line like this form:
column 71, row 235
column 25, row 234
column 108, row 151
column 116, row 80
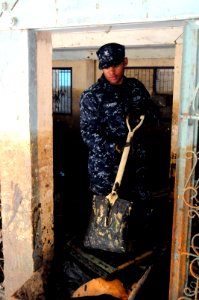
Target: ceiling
column 142, row 40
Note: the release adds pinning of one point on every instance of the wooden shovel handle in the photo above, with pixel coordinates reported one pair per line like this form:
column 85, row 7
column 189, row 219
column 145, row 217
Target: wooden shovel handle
column 113, row 195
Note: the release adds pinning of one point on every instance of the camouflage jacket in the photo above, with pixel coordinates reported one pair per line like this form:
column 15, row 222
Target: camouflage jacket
column 103, row 111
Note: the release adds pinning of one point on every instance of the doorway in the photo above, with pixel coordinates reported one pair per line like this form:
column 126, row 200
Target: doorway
column 72, row 197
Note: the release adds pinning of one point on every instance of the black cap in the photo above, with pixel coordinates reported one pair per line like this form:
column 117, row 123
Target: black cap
column 110, row 54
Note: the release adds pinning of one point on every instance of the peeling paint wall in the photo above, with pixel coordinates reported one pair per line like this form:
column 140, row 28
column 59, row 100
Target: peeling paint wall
column 15, row 163
column 25, row 155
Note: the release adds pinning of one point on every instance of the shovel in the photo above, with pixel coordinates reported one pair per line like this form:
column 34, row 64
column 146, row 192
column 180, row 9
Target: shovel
column 113, row 196
column 108, row 224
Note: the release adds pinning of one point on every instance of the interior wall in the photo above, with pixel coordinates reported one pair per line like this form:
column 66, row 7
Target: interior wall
column 82, row 77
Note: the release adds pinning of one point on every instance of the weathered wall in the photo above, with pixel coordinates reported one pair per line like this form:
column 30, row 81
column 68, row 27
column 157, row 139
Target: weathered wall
column 25, row 155
column 15, row 160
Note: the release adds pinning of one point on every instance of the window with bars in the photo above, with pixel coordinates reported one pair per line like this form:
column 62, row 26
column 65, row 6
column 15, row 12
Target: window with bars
column 157, row 80
column 62, row 90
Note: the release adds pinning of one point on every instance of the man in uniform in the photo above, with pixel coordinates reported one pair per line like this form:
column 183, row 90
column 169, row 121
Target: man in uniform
column 103, row 110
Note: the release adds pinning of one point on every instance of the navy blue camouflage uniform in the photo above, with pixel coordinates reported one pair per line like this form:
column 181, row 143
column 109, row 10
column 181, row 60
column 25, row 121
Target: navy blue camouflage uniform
column 103, row 111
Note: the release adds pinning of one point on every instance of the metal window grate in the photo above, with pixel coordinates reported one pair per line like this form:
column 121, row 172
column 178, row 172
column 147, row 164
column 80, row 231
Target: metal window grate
column 157, row 80
column 62, row 90
column 164, row 81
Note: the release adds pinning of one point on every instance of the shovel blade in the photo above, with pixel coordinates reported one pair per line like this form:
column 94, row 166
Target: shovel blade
column 108, row 226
